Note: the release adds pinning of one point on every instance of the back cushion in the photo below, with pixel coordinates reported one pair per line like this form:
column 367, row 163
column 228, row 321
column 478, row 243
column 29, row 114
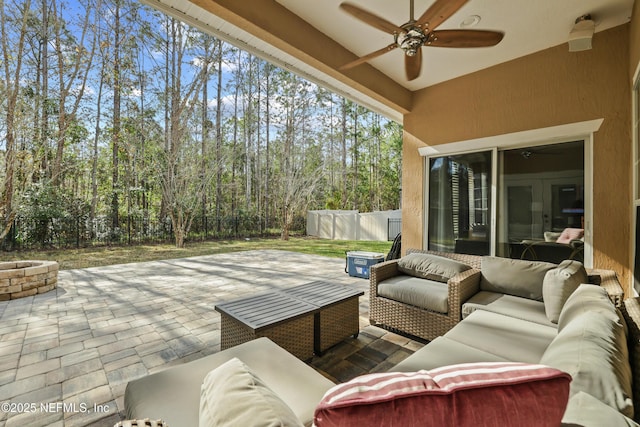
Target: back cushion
column 472, row 394
column 586, row 298
column 516, row 277
column 432, row 267
column 592, row 348
column 559, row 283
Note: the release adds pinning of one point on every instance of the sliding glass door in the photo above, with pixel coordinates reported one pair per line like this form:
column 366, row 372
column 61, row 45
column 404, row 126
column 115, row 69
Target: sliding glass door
column 459, row 208
column 532, row 194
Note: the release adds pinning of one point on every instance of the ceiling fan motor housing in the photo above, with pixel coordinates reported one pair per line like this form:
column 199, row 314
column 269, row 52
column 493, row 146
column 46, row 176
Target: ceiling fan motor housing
column 411, row 40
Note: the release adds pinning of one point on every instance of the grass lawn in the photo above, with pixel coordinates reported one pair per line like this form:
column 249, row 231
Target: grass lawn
column 97, row 256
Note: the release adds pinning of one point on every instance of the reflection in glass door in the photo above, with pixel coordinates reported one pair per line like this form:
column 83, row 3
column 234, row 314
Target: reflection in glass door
column 460, row 203
column 541, row 194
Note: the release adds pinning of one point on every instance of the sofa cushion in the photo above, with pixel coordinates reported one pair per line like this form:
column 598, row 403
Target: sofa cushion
column 509, row 305
column 592, row 348
column 232, row 395
column 478, row 394
column 586, row 298
column 497, row 333
column 443, row 351
column 432, row 267
column 423, row 293
column 514, row 276
column 584, row 410
column 559, row 283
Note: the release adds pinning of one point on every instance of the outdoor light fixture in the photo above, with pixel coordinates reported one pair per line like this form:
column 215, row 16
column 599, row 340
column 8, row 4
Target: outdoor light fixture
column 581, row 34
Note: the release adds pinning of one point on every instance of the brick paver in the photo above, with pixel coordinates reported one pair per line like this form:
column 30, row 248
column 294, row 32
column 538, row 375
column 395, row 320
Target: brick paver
column 74, row 349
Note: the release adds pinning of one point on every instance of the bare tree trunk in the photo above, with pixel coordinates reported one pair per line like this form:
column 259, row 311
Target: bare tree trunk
column 344, row 154
column 12, row 77
column 219, row 139
column 115, row 138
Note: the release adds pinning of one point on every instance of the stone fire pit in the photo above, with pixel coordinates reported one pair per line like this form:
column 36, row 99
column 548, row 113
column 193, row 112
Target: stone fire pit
column 19, row 279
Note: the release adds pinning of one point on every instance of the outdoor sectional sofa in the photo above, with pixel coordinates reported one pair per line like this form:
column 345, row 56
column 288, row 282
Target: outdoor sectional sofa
column 584, row 335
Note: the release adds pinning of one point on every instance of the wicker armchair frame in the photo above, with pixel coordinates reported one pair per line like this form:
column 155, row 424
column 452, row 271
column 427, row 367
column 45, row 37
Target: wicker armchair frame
column 427, row 324
column 417, row 321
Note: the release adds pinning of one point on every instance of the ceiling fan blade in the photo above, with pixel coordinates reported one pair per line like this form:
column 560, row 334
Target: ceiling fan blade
column 464, row 38
column 439, row 12
column 371, row 19
column 413, row 64
column 366, row 58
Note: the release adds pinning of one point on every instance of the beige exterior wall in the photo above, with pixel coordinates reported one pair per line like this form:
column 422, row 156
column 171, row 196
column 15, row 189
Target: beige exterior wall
column 549, row 88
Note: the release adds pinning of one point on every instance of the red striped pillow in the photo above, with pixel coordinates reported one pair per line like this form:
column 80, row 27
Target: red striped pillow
column 472, row 394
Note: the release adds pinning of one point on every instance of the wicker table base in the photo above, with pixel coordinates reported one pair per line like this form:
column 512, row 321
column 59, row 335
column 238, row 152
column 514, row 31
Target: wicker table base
column 304, row 319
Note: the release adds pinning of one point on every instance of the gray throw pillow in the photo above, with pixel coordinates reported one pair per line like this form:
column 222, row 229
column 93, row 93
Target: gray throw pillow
column 432, row 267
column 516, row 277
column 559, row 283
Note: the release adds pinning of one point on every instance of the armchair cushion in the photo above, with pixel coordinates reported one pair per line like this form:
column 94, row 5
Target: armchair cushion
column 432, row 267
column 417, row 292
column 559, row 283
column 516, row 277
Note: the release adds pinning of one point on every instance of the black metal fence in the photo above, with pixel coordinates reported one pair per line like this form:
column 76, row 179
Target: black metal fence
column 82, row 232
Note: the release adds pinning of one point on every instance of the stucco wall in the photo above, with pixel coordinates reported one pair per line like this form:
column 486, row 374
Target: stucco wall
column 548, row 88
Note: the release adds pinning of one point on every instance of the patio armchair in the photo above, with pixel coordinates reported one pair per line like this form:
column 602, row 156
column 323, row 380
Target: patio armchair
column 445, row 303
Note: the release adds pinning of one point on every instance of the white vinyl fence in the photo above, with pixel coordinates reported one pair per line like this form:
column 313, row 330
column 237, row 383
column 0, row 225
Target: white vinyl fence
column 353, row 225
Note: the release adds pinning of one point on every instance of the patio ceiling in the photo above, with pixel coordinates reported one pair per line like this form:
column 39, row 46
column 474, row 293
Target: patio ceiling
column 314, row 38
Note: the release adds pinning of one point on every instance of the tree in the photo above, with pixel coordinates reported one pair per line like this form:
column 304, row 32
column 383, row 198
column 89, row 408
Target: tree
column 13, row 45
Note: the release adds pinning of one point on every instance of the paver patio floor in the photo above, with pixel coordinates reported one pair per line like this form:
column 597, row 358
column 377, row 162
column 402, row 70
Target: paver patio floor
column 66, row 356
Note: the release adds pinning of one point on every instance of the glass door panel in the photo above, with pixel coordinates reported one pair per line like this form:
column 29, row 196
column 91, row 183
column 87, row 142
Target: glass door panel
column 460, row 203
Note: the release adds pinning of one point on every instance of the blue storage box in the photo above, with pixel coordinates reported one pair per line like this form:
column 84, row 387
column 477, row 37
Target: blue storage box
column 358, row 262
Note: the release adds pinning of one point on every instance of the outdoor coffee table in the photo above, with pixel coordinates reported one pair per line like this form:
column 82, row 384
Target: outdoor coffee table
column 337, row 317
column 304, row 319
column 285, row 320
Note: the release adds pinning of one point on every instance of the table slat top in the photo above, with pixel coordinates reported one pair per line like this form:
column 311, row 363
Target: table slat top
column 266, row 310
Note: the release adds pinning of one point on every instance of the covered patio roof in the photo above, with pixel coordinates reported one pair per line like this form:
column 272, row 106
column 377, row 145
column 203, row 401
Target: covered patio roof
column 314, row 39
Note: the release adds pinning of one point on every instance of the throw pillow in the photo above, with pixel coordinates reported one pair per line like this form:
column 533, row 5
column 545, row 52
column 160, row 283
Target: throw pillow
column 520, row 278
column 432, row 267
column 569, row 234
column 472, row 394
column 559, row 283
column 231, row 395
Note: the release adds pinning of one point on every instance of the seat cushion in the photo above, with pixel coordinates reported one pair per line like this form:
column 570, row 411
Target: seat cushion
column 496, row 334
column 423, row 293
column 509, row 305
column 514, row 276
column 232, row 395
column 559, row 283
column 476, row 394
column 584, row 410
column 443, row 351
column 431, row 267
column 173, row 394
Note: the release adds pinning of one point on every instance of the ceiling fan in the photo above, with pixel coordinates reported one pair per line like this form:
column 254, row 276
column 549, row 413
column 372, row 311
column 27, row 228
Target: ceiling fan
column 412, row 35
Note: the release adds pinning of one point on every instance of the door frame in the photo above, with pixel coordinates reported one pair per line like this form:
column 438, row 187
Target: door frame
column 530, row 138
